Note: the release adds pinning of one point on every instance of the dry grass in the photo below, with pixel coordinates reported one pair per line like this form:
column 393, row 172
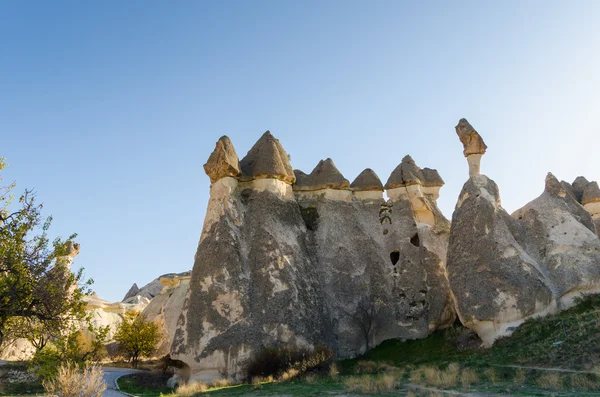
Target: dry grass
column 219, row 383
column 289, row 375
column 371, row 384
column 189, row 389
column 468, row 377
column 311, row 379
column 584, row 382
column 334, row 371
column 492, row 376
column 72, row 381
column 433, row 376
column 550, row 381
column 520, row 376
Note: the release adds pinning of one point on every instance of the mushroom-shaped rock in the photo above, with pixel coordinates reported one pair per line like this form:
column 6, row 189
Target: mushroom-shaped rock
column 267, row 159
column 473, row 144
column 411, row 173
column 470, row 138
column 432, row 178
column 591, row 194
column 406, row 173
column 367, row 181
column 579, row 185
column 324, row 176
column 223, row 161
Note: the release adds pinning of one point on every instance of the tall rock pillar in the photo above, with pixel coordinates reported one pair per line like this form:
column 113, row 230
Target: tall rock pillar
column 474, row 146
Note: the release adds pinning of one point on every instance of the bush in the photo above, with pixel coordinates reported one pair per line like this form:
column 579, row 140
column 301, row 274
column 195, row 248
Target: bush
column 71, row 381
column 276, row 362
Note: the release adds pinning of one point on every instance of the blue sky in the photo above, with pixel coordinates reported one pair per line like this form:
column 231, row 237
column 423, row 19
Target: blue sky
column 109, row 109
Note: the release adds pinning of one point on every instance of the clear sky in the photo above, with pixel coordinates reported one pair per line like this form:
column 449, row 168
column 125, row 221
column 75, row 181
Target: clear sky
column 110, row 108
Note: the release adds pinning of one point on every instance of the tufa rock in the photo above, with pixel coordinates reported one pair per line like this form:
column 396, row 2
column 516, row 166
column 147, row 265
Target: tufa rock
column 471, row 140
column 223, row 161
column 497, row 284
column 267, row 159
column 304, row 271
column 591, row 194
column 473, row 145
column 406, row 173
column 324, row 176
column 432, row 178
column 579, row 185
column 367, row 181
column 133, row 291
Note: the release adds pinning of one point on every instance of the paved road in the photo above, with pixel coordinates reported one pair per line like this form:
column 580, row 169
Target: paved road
column 110, row 376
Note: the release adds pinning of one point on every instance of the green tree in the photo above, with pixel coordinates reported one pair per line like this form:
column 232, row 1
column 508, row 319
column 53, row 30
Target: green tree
column 40, row 298
column 137, row 337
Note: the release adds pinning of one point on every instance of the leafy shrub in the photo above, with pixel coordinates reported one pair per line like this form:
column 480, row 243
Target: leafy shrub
column 276, row 362
column 71, row 381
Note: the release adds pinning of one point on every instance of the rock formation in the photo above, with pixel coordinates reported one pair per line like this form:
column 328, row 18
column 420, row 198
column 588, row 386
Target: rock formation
column 504, row 269
column 296, row 259
column 164, row 308
column 473, row 144
column 133, row 291
column 591, row 202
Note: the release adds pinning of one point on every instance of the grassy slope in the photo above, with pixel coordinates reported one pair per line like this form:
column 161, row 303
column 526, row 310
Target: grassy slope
column 533, row 344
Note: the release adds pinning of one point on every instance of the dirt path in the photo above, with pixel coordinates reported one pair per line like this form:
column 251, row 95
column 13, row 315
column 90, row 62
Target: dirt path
column 110, row 378
column 568, row 371
column 454, row 392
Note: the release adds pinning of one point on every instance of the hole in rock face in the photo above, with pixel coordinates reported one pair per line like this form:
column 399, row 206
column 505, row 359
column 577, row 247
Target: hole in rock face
column 415, row 240
column 395, row 257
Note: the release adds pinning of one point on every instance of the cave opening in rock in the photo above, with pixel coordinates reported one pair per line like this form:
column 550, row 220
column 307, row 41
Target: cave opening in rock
column 395, row 257
column 415, row 240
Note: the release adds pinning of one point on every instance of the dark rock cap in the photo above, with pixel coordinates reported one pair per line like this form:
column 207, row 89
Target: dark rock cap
column 267, row 159
column 367, row 180
column 591, row 194
column 432, row 178
column 408, row 173
column 471, row 140
column 579, row 185
column 324, row 176
column 223, row 161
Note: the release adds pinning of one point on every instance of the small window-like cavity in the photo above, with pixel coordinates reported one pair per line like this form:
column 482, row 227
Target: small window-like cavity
column 415, row 240
column 395, row 257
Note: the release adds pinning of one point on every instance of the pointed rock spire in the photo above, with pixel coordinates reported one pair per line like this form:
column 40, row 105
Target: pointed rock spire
column 579, row 185
column 553, row 186
column 367, row 180
column 223, row 161
column 591, row 194
column 267, row 159
column 324, row 176
column 133, row 291
column 569, row 189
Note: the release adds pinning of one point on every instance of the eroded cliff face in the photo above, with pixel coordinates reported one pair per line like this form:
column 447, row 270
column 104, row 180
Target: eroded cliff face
column 301, row 260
